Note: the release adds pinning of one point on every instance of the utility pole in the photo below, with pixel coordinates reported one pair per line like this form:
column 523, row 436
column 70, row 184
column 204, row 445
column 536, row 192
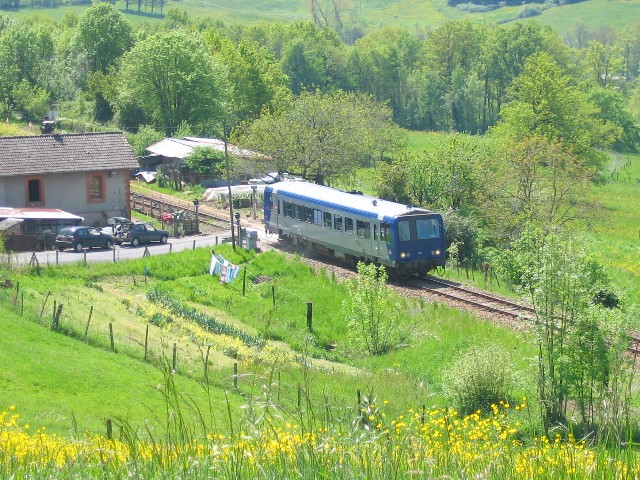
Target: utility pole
column 226, row 159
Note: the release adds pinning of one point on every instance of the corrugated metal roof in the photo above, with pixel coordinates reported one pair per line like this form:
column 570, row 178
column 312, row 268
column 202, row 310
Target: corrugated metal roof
column 364, row 204
column 183, row 147
column 83, row 152
column 37, row 214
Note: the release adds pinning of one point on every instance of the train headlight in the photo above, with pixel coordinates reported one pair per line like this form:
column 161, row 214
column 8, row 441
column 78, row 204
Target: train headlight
column 405, row 254
column 436, row 253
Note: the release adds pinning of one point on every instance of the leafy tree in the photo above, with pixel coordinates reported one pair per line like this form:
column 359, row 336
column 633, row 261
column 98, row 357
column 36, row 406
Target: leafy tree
column 581, row 346
column 146, row 135
column 380, row 65
column 450, row 177
column 33, row 102
column 255, row 79
column 546, row 104
column 452, row 52
column 370, row 316
column 173, row 78
column 322, row 136
column 604, row 62
column 535, row 181
column 504, row 52
column 206, row 161
column 26, row 51
column 313, row 58
column 102, row 37
column 613, row 109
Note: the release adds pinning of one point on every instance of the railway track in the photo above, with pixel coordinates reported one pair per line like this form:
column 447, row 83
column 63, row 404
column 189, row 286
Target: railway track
column 477, row 299
column 154, row 204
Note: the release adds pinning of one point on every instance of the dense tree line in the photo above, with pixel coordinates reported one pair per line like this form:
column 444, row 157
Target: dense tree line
column 456, row 78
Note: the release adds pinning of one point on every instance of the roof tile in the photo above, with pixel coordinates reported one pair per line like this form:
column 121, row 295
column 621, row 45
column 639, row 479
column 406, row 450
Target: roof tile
column 59, row 153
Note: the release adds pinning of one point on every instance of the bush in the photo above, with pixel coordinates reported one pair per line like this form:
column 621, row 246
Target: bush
column 479, row 378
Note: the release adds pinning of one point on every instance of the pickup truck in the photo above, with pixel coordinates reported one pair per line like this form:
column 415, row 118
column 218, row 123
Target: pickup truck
column 139, row 232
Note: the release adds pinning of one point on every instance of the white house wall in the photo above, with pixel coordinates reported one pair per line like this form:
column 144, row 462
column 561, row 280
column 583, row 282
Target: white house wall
column 68, row 192
column 3, row 195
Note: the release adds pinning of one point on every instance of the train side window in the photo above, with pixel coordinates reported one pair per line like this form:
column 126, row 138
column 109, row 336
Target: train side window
column 363, row 229
column 299, row 212
column 317, row 217
column 279, row 202
column 337, row 222
column 308, row 214
column 288, row 209
column 404, row 231
column 427, row 228
column 375, row 231
column 327, row 219
column 385, row 232
column 348, row 225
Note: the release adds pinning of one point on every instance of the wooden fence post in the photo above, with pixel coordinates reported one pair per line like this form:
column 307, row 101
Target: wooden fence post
column 146, row 343
column 113, row 347
column 244, row 280
column 44, row 304
column 310, row 316
column 273, row 295
column 235, row 376
column 109, row 428
column 206, row 364
column 86, row 330
column 175, row 357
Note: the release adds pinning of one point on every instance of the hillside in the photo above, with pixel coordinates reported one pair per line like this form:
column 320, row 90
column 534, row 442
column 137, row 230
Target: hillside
column 413, row 15
column 60, row 379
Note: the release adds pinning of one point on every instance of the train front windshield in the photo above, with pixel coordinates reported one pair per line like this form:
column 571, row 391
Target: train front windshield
column 418, row 229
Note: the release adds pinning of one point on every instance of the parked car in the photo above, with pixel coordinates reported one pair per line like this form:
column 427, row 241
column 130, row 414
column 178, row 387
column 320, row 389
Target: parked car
column 140, row 232
column 80, row 237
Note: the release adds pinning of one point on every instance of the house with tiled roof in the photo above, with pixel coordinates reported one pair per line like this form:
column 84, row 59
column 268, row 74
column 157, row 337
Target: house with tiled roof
column 85, row 174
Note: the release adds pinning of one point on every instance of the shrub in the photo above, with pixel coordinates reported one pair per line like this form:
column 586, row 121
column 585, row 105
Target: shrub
column 480, row 377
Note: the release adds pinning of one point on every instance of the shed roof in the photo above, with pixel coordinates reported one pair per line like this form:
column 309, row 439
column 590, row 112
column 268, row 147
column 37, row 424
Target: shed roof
column 37, row 214
column 183, row 147
column 60, row 153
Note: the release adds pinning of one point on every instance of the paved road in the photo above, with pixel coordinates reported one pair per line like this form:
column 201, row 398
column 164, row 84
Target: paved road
column 122, row 252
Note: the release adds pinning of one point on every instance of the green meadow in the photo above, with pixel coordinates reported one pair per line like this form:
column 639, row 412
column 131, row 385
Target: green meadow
column 65, row 381
column 413, row 15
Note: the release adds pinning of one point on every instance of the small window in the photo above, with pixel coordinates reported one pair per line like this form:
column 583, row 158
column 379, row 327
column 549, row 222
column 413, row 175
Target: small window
column 327, row 219
column 385, row 232
column 308, row 214
column 34, row 191
column 363, row 229
column 299, row 212
column 288, row 209
column 404, row 231
column 96, row 187
column 279, row 202
column 348, row 225
column 375, row 232
column 337, row 222
column 317, row 217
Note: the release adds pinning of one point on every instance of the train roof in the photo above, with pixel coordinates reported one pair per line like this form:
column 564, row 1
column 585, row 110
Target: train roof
column 331, row 197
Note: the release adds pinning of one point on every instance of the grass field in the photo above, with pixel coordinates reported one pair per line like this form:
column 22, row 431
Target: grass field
column 413, row 15
column 61, row 379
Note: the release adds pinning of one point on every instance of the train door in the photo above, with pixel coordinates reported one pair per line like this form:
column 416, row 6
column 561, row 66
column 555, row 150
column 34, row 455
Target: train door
column 381, row 234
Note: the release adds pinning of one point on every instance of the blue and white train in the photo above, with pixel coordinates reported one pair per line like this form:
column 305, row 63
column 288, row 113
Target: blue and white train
column 355, row 227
